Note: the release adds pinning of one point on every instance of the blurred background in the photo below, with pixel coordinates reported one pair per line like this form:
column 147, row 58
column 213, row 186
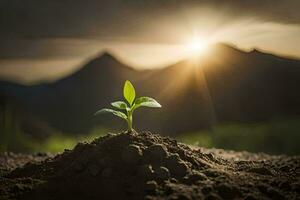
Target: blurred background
column 225, row 78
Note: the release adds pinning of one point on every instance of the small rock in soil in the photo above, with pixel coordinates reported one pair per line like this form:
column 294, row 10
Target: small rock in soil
column 180, row 169
column 173, row 180
column 162, row 173
column 151, row 186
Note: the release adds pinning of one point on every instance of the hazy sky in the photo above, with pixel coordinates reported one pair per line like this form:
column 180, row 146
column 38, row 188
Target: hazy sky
column 50, row 38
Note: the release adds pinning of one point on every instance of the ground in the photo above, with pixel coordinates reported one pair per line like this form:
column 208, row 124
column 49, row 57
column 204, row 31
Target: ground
column 148, row 166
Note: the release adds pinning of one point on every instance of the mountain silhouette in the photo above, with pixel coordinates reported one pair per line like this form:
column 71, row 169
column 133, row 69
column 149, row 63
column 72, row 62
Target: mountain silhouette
column 226, row 84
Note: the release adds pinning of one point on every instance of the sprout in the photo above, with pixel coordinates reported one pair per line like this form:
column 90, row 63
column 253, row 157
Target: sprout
column 132, row 104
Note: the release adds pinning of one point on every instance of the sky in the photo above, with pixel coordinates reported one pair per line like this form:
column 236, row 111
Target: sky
column 46, row 40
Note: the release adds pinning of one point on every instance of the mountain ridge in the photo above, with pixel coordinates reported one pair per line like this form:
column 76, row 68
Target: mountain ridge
column 109, row 56
column 226, row 85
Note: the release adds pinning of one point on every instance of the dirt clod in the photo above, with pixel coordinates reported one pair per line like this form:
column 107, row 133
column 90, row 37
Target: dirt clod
column 261, row 170
column 156, row 153
column 162, row 173
column 194, row 177
column 132, row 154
column 151, row 186
column 148, row 166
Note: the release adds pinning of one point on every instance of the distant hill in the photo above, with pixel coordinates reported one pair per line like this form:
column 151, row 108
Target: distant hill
column 226, row 84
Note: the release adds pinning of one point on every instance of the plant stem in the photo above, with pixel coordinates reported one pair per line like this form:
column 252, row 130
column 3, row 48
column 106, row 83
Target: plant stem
column 129, row 120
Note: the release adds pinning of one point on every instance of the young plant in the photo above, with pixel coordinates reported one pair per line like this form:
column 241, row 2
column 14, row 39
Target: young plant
column 131, row 105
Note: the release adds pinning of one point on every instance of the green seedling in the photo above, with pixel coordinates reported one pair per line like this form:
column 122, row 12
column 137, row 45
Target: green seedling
column 131, row 105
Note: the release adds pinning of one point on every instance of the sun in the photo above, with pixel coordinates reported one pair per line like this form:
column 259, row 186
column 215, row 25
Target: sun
column 196, row 46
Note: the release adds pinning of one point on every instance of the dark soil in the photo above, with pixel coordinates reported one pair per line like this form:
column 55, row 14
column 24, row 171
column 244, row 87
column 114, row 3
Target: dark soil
column 148, row 166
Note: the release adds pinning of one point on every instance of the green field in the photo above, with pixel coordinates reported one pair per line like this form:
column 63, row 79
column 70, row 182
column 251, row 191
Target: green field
column 274, row 137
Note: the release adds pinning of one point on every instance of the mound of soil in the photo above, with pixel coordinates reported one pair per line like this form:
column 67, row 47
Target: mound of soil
column 148, row 166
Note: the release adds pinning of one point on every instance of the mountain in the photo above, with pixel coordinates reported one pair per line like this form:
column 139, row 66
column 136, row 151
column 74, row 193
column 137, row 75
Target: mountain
column 226, row 84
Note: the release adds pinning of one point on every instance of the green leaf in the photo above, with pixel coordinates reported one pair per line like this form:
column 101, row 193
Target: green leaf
column 129, row 92
column 120, row 105
column 114, row 112
column 147, row 102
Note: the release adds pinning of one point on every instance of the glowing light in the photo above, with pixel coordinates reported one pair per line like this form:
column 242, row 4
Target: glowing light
column 196, row 46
